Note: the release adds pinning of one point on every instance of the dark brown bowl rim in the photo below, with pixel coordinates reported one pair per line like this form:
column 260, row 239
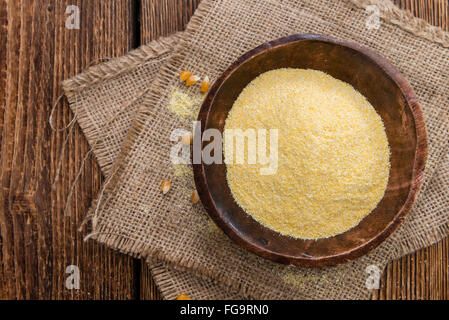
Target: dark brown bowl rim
column 418, row 169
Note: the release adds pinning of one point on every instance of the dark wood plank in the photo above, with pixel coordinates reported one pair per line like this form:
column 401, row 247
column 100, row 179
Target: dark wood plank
column 37, row 241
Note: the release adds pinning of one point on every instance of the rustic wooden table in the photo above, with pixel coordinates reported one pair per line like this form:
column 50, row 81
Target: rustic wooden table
column 37, row 242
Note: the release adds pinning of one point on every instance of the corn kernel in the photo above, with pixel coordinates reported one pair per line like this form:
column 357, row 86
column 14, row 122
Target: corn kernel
column 165, row 186
column 183, row 296
column 184, row 75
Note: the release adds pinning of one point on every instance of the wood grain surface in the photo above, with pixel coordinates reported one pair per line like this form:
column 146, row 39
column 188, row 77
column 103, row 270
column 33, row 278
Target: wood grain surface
column 37, row 242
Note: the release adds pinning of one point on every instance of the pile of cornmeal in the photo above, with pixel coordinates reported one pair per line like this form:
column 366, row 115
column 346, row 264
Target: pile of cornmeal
column 333, row 154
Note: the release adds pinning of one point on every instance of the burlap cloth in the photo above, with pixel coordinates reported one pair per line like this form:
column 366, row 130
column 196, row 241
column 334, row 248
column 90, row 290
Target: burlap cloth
column 105, row 99
column 171, row 233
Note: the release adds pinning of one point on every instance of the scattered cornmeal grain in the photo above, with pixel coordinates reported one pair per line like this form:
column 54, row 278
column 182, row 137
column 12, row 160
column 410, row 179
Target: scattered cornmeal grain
column 184, row 105
column 213, row 228
column 334, row 156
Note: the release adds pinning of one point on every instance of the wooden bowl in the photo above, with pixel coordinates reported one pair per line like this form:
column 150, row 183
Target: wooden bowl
column 392, row 97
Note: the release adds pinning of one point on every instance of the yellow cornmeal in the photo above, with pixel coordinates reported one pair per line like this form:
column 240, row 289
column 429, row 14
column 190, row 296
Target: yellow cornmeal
column 333, row 154
column 184, row 105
